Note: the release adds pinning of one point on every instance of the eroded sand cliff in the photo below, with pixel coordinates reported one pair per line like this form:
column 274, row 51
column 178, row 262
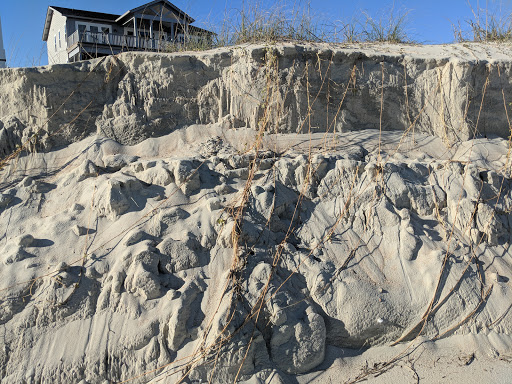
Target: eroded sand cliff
column 449, row 91
column 238, row 215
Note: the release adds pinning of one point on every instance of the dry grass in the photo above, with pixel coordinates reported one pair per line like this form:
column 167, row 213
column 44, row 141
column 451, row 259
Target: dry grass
column 489, row 24
column 256, row 23
column 389, row 27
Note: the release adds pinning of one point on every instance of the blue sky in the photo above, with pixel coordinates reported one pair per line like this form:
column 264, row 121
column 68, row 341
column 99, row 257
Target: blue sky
column 429, row 20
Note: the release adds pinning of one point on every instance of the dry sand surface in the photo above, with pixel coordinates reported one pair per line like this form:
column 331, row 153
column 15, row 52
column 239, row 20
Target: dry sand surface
column 118, row 260
column 258, row 214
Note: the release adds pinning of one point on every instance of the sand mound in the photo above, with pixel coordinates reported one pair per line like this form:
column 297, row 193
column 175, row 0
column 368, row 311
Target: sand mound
column 188, row 257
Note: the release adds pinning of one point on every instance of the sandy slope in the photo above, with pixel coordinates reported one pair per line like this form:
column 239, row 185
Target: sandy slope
column 119, row 261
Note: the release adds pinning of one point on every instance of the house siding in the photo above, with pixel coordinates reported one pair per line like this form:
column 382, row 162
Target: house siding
column 58, row 25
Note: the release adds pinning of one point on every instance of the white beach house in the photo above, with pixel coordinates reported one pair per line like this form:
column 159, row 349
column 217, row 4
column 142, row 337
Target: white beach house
column 73, row 34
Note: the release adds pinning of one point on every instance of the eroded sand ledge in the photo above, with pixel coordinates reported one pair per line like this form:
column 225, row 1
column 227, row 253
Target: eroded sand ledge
column 452, row 91
column 169, row 252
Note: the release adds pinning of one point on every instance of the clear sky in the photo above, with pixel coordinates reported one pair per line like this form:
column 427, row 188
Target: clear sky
column 430, row 21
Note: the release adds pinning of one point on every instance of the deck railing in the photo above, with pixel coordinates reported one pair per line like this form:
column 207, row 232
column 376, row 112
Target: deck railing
column 110, row 39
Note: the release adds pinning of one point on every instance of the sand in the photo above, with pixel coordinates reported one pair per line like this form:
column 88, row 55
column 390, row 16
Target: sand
column 118, row 260
column 258, row 214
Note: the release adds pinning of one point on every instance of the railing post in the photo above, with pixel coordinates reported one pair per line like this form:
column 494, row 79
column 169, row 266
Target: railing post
column 135, row 32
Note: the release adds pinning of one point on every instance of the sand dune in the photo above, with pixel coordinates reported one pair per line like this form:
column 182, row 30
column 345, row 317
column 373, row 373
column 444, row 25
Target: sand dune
column 247, row 242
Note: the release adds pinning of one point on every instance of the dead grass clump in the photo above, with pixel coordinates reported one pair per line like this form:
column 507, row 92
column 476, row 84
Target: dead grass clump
column 494, row 29
column 389, row 27
column 255, row 23
column 488, row 24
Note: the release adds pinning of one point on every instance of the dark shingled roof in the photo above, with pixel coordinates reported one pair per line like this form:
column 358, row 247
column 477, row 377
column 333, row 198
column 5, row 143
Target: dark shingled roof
column 85, row 14
column 78, row 13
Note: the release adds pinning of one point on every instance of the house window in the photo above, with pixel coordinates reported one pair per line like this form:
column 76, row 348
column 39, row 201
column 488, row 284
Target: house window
column 55, row 38
column 81, row 30
column 60, row 43
column 105, row 31
column 93, row 33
